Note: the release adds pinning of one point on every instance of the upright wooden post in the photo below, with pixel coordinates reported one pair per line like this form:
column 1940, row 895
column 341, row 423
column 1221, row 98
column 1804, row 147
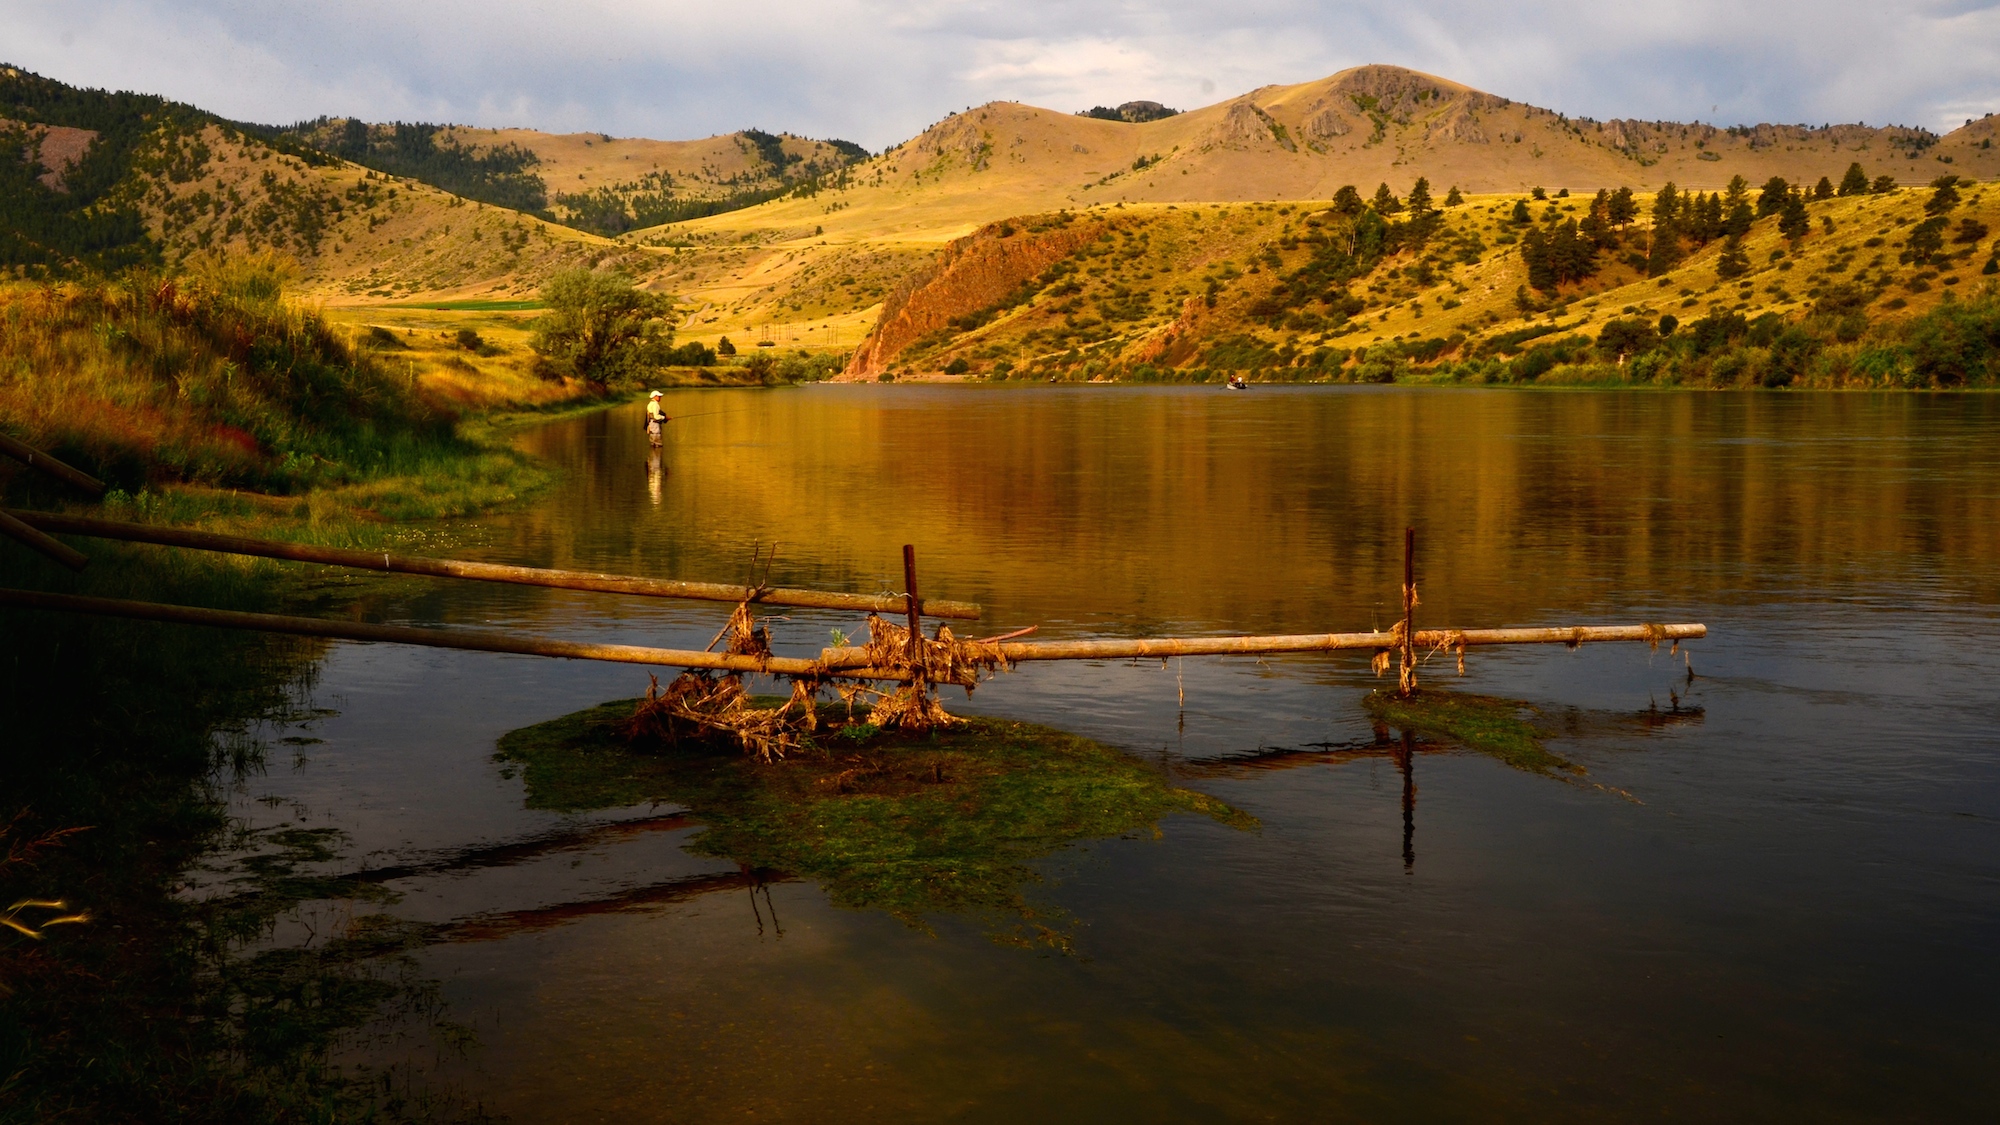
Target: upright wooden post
column 915, row 608
column 1406, row 677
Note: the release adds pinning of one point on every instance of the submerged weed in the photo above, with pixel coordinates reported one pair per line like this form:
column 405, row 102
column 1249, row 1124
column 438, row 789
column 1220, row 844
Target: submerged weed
column 1498, row 728
column 912, row 825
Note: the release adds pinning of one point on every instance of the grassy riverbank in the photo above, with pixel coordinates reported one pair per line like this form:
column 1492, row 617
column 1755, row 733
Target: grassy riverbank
column 205, row 399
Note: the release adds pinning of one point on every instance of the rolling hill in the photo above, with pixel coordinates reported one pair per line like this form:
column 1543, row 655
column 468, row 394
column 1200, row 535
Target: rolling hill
column 592, row 181
column 1369, row 125
column 1006, row 234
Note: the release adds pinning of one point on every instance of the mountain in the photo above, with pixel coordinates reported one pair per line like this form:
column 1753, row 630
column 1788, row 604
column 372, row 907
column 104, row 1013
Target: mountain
column 592, row 181
column 1368, row 125
column 103, row 180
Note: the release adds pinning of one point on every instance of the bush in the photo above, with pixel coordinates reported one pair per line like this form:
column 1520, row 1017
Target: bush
column 599, row 327
column 1628, row 337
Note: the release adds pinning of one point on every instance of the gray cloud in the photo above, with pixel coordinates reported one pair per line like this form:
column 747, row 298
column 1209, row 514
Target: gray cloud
column 877, row 71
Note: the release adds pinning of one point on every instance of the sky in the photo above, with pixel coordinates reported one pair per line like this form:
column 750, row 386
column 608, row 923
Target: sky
column 878, row 72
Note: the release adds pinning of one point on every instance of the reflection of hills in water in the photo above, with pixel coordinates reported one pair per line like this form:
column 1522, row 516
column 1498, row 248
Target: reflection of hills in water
column 911, row 825
column 1281, row 512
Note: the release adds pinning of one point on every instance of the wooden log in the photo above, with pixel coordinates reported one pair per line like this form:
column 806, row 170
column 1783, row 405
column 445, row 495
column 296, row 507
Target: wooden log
column 1157, row 647
column 59, row 551
column 482, row 572
column 915, row 608
column 68, row 474
column 469, row 639
column 1406, row 671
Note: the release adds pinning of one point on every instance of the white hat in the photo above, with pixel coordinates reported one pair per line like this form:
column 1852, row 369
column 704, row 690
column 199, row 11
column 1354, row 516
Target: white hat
column 656, row 394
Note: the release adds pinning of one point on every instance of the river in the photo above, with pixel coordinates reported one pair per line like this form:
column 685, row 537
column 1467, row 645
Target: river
column 1775, row 893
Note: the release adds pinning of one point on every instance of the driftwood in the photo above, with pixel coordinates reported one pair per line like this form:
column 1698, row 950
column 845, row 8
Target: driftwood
column 1378, row 641
column 55, row 549
column 485, row 572
column 68, row 474
column 471, row 639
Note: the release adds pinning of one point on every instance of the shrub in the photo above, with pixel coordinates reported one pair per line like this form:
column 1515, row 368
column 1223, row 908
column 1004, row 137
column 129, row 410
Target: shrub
column 599, row 327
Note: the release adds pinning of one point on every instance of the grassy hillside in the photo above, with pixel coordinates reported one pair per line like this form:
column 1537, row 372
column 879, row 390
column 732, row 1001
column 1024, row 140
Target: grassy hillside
column 1363, row 126
column 591, row 181
column 213, row 379
column 783, row 263
column 1283, row 291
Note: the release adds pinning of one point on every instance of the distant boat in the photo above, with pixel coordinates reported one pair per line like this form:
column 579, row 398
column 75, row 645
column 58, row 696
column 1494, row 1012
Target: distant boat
column 1236, row 383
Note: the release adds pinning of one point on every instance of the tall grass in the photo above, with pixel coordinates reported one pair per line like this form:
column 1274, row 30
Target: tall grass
column 213, row 377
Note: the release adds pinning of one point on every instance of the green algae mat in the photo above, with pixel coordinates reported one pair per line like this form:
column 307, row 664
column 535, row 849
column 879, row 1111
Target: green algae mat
column 950, row 821
column 1503, row 729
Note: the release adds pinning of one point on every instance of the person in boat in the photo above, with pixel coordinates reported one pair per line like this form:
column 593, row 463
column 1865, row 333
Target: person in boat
column 1236, row 383
column 656, row 420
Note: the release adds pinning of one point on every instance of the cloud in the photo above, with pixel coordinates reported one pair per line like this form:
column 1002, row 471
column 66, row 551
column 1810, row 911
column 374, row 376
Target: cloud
column 877, row 72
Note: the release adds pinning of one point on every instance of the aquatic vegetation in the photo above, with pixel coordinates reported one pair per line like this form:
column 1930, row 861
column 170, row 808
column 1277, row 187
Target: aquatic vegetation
column 909, row 824
column 1499, row 728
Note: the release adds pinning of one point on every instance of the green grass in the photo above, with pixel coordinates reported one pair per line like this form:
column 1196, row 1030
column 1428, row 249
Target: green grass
column 910, row 825
column 1499, row 728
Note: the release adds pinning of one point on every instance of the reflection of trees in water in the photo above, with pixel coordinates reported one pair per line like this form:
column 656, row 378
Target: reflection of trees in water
column 1519, row 496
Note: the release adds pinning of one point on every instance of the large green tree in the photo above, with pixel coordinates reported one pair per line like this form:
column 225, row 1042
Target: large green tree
column 1855, row 182
column 600, row 327
column 1771, row 200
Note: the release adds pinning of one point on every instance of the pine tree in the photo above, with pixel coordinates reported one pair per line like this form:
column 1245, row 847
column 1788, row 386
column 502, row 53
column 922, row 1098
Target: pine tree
column 1452, row 198
column 1520, row 213
column 1944, row 197
column 1855, row 182
column 1541, row 265
column 1420, row 197
column 1823, row 189
column 1348, row 202
column 1596, row 226
column 1771, row 200
column 1386, row 202
column 1734, row 263
column 1884, row 184
column 1665, row 252
column 1574, row 257
column 1624, row 208
column 1793, row 222
column 1711, row 218
column 1737, row 223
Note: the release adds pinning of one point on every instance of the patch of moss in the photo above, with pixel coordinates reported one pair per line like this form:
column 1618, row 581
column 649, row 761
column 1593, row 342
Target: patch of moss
column 1498, row 728
column 911, row 825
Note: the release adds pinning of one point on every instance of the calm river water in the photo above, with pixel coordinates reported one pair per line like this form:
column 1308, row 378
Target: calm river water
column 1774, row 895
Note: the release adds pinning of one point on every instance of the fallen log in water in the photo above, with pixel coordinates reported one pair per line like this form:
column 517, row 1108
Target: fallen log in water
column 1377, row 641
column 62, row 471
column 472, row 639
column 53, row 548
column 843, row 663
column 485, row 572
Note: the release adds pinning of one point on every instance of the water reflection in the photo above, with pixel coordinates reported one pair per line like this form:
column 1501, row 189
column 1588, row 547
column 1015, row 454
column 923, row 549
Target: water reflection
column 1790, row 924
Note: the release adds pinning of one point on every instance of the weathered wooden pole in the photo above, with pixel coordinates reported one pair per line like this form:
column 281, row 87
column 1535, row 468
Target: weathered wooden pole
column 916, row 613
column 1406, row 673
column 59, row 551
column 483, row 572
column 68, row 474
column 1158, row 647
column 470, row 639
